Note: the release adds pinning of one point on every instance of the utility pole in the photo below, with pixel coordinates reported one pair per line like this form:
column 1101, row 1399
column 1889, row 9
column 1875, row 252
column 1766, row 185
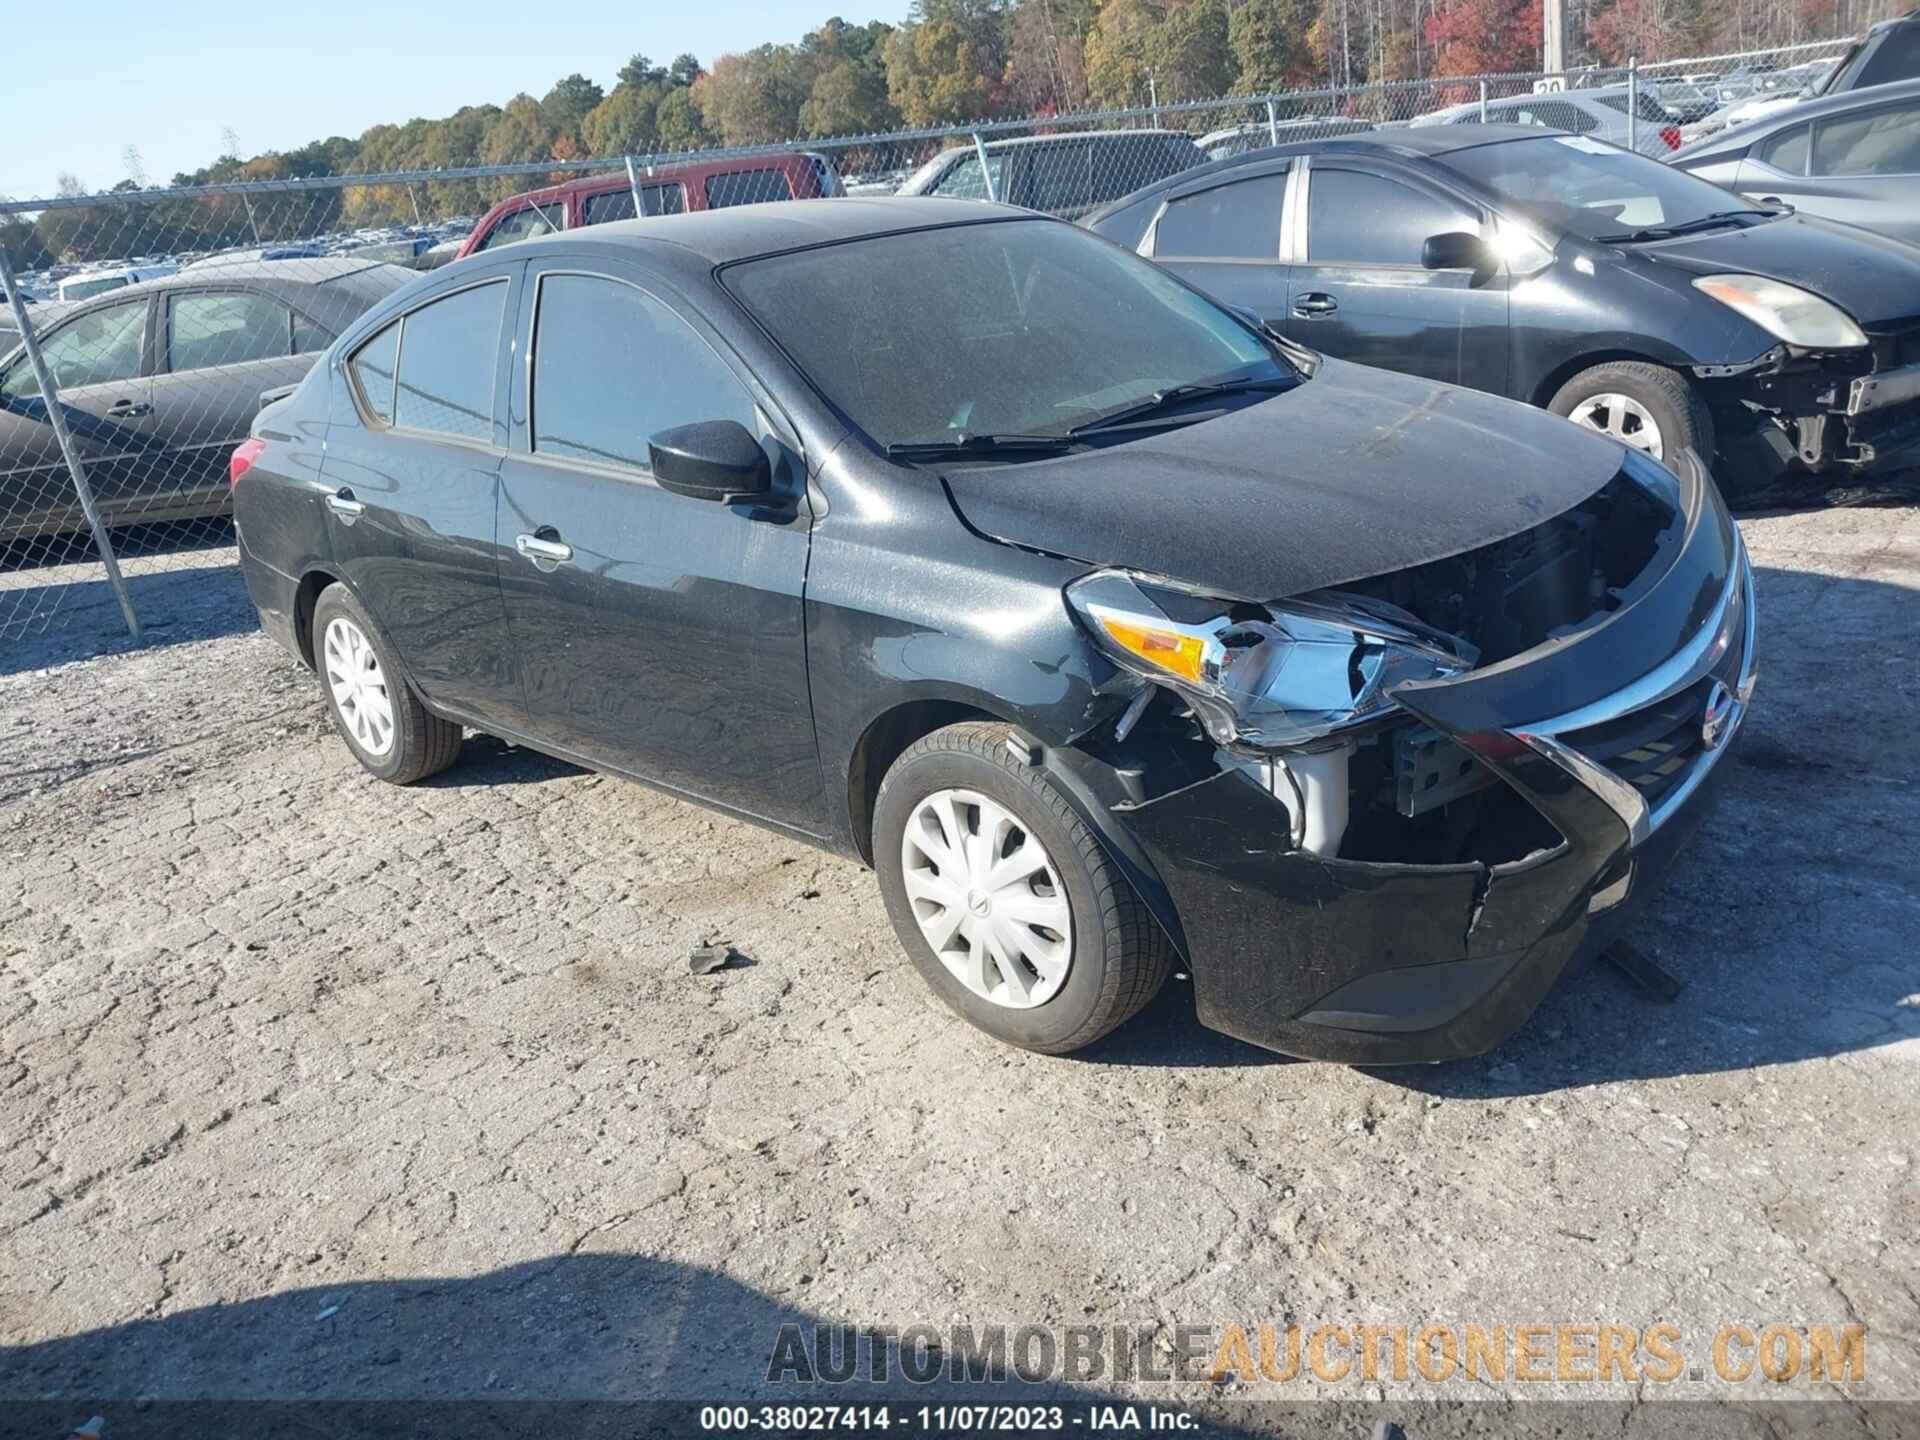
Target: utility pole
column 1553, row 37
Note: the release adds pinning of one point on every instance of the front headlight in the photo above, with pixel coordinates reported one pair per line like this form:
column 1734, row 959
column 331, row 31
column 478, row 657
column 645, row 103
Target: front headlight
column 1792, row 314
column 1265, row 677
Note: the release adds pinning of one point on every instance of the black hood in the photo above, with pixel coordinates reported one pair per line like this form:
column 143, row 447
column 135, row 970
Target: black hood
column 1356, row 473
column 1874, row 278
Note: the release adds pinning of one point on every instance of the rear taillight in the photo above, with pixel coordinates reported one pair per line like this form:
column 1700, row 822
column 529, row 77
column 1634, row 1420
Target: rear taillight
column 242, row 460
column 1671, row 134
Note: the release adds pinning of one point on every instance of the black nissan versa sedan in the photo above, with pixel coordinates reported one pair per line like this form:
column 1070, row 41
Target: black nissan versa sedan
column 1107, row 627
column 1633, row 298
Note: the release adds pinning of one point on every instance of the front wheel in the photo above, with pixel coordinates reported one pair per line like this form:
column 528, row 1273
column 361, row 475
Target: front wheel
column 1645, row 407
column 1004, row 897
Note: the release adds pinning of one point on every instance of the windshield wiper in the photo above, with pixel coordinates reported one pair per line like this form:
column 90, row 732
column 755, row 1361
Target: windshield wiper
column 987, row 444
column 1685, row 227
column 1176, row 395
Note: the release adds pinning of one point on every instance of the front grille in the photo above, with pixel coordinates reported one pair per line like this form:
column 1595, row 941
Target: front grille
column 1651, row 749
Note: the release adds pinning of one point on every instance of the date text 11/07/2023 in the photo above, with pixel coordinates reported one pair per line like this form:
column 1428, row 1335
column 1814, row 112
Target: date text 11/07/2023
column 981, row 1419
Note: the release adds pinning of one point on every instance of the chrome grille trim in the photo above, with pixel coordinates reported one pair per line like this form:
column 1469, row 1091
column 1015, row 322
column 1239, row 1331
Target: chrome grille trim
column 1731, row 623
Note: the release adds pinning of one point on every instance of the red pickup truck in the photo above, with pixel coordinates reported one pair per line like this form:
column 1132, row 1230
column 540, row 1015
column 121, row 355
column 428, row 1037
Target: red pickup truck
column 670, row 190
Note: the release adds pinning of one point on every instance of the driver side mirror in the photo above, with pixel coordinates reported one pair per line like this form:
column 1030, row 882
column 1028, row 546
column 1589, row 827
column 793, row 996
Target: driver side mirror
column 1456, row 250
column 711, row 460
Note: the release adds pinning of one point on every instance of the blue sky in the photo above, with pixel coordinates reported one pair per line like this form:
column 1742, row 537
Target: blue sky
column 86, row 80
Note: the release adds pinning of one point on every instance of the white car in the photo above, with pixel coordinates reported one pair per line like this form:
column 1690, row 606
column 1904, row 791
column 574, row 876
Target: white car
column 1599, row 112
column 89, row 283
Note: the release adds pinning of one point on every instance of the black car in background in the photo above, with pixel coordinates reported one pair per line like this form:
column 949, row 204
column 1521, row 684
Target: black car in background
column 1628, row 296
column 159, row 381
column 1106, row 626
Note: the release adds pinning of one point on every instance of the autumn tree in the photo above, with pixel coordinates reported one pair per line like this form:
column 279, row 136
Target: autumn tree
column 1484, row 37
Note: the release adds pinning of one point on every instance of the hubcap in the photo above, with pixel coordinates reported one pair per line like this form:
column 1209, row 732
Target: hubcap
column 988, row 899
column 1622, row 418
column 359, row 687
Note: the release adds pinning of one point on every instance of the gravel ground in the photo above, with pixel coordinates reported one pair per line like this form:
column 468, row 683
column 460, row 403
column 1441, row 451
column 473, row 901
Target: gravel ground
column 310, row 1087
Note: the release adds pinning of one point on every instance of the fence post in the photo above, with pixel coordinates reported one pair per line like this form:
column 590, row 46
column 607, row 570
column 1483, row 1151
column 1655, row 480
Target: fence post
column 50, row 397
column 1633, row 102
column 633, row 184
column 1483, row 102
column 986, row 175
column 1273, row 124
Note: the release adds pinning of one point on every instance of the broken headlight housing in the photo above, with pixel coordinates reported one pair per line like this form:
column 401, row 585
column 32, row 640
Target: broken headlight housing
column 1265, row 677
column 1786, row 312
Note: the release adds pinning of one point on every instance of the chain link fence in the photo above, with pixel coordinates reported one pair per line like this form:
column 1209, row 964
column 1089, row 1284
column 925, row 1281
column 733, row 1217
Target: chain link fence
column 164, row 316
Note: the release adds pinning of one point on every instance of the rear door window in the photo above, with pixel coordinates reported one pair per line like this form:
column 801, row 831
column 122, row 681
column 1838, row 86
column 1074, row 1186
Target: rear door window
column 612, row 367
column 1358, row 219
column 433, row 369
column 225, row 328
column 1240, row 221
column 1880, row 142
column 1059, row 177
column 747, row 187
column 618, row 204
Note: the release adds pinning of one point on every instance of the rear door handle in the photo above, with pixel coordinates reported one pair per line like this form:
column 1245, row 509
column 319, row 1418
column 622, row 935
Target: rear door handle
column 545, row 548
column 1315, row 304
column 129, row 409
column 342, row 503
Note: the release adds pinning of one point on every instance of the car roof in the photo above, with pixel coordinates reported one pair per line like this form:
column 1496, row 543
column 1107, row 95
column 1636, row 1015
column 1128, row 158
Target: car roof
column 744, row 232
column 693, row 169
column 1013, row 141
column 1738, row 137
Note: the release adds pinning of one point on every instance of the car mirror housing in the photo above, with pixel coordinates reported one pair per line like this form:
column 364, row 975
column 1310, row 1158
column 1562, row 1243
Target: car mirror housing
column 710, row 460
column 1456, row 250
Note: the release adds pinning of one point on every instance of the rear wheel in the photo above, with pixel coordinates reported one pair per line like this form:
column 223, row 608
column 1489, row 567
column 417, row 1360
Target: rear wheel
column 385, row 726
column 1004, row 897
column 1646, row 407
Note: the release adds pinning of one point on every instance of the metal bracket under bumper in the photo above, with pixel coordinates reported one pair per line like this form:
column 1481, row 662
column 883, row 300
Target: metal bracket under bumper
column 1878, row 392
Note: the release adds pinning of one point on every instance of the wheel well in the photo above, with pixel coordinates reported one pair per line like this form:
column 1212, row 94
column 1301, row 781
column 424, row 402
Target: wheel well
column 882, row 744
column 304, row 600
column 1545, row 391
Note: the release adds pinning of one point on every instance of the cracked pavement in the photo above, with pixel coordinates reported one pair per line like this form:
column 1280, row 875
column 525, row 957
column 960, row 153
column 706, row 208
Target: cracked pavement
column 311, row 1087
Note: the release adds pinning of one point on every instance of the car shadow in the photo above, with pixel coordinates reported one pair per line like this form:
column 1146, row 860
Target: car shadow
column 570, row 1328
column 1793, row 919
column 487, row 760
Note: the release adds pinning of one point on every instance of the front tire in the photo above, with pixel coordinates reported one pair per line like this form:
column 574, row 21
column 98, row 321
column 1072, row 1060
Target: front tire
column 1004, row 897
column 1646, row 407
column 385, row 726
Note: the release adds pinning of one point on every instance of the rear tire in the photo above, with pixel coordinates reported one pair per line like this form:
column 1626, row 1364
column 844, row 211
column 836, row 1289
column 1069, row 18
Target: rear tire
column 1115, row 956
column 376, row 712
column 1647, row 407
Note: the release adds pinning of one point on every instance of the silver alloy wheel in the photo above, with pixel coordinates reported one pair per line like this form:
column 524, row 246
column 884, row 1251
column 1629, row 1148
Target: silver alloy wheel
column 359, row 686
column 1622, row 418
column 988, row 898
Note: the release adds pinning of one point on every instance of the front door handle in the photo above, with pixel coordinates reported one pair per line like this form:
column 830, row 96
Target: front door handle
column 545, row 548
column 129, row 409
column 1315, row 304
column 342, row 503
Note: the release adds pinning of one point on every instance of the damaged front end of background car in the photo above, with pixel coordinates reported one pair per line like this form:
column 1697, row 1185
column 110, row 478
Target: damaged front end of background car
column 1388, row 815
column 1831, row 395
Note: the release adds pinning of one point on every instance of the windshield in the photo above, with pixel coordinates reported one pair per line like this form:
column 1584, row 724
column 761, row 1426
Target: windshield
column 1024, row 327
column 1590, row 189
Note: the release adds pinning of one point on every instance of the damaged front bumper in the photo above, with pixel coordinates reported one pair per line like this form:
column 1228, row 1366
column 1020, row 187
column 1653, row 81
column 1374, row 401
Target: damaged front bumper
column 1370, row 962
column 1845, row 409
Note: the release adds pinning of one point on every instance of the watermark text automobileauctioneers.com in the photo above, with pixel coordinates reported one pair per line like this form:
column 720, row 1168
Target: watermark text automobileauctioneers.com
column 1567, row 1353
